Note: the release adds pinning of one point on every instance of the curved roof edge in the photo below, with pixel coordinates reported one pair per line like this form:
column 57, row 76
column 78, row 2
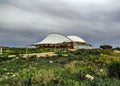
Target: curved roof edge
column 55, row 38
column 76, row 38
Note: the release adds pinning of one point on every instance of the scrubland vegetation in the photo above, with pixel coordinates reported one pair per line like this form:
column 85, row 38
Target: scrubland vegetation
column 84, row 67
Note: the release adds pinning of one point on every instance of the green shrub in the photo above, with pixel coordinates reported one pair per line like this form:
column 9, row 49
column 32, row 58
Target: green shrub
column 27, row 82
column 114, row 69
column 102, row 82
column 106, row 46
column 4, row 58
column 86, row 52
column 32, row 57
column 117, row 48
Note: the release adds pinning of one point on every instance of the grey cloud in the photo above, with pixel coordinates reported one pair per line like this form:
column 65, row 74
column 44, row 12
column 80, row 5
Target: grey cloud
column 96, row 21
column 20, row 37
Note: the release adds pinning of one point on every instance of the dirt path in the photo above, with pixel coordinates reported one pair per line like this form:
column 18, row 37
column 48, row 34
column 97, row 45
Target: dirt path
column 39, row 54
column 36, row 54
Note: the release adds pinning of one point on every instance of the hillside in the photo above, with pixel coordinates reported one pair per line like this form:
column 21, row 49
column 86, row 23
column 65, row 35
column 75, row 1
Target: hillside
column 84, row 67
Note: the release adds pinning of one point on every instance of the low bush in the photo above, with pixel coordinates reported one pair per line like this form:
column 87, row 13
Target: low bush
column 4, row 58
column 106, row 46
column 86, row 52
column 102, row 82
column 114, row 69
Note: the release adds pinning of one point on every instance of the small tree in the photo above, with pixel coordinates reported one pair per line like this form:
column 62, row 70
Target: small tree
column 106, row 46
column 117, row 48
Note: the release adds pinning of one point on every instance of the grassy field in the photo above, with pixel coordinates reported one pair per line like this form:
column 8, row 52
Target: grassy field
column 101, row 65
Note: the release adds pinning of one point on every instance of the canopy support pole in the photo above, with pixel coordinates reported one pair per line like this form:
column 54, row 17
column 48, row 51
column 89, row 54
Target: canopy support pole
column 0, row 50
column 76, row 46
column 26, row 50
column 55, row 48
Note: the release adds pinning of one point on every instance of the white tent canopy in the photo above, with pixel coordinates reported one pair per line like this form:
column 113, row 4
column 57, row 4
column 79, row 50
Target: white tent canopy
column 57, row 38
column 76, row 39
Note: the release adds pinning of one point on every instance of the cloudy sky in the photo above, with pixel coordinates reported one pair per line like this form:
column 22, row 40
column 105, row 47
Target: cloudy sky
column 24, row 22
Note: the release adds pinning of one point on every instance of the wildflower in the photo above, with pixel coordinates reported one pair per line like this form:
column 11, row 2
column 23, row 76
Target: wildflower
column 60, row 80
column 6, row 77
column 1, row 79
column 5, row 69
column 89, row 77
column 33, row 68
column 101, row 54
column 101, row 70
column 8, row 73
column 54, row 78
column 13, row 75
column 50, row 61
column 28, row 70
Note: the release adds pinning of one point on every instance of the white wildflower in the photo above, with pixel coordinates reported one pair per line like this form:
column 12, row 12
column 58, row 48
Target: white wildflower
column 8, row 73
column 6, row 77
column 28, row 70
column 50, row 61
column 33, row 68
column 89, row 77
column 13, row 75
column 101, row 70
column 5, row 69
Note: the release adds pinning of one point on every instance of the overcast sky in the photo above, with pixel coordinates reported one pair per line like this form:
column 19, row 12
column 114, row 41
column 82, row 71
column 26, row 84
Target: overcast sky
column 24, row 22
